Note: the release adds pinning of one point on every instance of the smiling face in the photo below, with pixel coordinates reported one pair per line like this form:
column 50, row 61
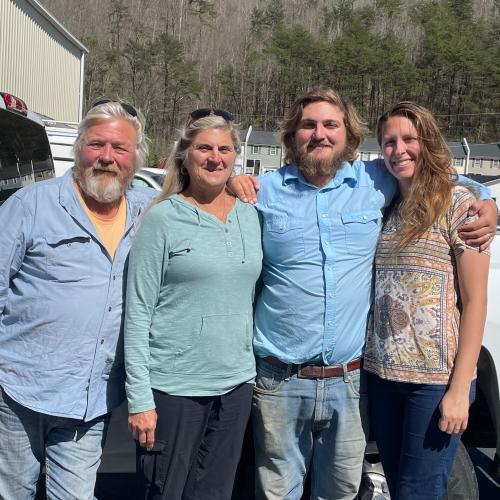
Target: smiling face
column 107, row 160
column 401, row 149
column 320, row 139
column 209, row 160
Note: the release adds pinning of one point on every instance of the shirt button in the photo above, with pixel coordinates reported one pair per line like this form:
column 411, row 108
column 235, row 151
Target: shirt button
column 229, row 243
column 114, row 277
column 69, row 244
column 330, row 323
column 109, row 308
column 365, row 217
column 102, row 341
column 227, row 230
column 323, row 215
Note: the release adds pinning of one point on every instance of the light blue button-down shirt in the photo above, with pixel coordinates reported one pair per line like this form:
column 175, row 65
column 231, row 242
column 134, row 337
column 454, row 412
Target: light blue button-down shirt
column 319, row 245
column 61, row 299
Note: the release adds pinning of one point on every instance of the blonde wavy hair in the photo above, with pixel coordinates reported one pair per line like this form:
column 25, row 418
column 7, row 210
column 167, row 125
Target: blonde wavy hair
column 430, row 193
column 355, row 126
column 177, row 179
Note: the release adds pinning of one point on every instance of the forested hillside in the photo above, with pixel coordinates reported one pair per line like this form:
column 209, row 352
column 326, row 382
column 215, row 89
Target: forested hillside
column 253, row 57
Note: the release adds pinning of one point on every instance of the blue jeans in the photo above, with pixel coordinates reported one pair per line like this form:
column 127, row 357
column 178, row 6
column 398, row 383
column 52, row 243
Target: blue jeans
column 417, row 457
column 304, row 425
column 69, row 448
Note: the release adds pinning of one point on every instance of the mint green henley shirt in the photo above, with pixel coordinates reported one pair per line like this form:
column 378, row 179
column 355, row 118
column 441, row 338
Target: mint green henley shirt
column 189, row 304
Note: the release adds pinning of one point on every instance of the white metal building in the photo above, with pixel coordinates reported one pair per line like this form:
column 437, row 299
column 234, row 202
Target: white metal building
column 41, row 62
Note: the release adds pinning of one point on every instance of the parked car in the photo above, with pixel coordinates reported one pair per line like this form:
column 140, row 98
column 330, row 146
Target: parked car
column 149, row 177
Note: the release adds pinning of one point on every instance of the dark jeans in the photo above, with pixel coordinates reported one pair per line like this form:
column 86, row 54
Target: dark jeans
column 198, row 444
column 417, row 457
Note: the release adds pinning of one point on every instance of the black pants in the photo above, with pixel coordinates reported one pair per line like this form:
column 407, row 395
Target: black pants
column 197, row 446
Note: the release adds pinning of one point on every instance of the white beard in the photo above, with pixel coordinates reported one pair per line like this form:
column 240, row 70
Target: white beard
column 102, row 187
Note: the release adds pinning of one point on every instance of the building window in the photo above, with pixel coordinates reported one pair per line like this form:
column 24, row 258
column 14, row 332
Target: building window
column 273, row 150
column 252, row 167
column 255, row 150
column 364, row 156
column 477, row 162
column 458, row 162
column 495, row 163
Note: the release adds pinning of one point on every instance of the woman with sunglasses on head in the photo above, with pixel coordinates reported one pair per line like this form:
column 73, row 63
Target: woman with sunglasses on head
column 189, row 327
column 429, row 310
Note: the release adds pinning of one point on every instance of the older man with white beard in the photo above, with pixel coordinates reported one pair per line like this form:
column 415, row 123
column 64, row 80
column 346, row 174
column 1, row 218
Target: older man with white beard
column 63, row 254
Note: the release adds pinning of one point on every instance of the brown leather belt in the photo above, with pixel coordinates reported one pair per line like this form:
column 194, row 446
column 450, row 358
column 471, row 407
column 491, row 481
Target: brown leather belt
column 316, row 371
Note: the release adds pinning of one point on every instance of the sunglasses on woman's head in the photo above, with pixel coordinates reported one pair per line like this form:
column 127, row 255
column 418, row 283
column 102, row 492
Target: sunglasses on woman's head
column 203, row 112
column 126, row 106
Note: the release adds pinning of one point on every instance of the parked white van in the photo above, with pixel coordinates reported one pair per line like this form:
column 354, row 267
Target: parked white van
column 62, row 136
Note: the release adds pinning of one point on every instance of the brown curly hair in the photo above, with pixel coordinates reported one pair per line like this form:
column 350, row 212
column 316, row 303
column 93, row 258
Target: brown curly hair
column 430, row 193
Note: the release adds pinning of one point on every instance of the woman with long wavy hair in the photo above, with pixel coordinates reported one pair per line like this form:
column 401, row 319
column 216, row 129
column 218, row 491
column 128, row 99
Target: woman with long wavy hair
column 429, row 310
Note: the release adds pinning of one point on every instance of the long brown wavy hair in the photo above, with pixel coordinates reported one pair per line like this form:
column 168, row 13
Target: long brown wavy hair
column 430, row 193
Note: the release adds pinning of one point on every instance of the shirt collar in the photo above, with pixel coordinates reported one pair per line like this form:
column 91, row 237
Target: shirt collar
column 346, row 173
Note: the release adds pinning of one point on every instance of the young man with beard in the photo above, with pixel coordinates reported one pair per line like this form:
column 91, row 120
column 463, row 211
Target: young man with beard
column 321, row 217
column 63, row 251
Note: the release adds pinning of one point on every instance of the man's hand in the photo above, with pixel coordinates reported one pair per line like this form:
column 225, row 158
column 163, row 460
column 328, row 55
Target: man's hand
column 480, row 232
column 142, row 426
column 244, row 187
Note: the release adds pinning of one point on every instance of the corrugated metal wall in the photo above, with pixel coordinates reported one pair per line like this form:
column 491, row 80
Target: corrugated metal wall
column 37, row 63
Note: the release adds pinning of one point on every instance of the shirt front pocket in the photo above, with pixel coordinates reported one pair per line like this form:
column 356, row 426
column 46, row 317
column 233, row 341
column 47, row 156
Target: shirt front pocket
column 361, row 230
column 68, row 257
column 283, row 238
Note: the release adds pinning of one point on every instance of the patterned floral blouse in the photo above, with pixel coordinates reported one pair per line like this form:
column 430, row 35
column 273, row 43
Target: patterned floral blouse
column 413, row 332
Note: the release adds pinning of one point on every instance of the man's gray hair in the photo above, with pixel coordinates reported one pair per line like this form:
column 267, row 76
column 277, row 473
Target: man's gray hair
column 111, row 111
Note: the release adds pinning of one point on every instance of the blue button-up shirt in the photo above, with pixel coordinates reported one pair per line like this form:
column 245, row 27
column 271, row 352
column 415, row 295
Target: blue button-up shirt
column 319, row 245
column 61, row 299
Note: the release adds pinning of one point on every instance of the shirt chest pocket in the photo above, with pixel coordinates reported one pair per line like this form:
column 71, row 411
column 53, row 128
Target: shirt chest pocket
column 361, row 230
column 68, row 257
column 283, row 237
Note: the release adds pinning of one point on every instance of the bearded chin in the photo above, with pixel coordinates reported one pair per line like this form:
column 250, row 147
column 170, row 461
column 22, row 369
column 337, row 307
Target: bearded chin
column 100, row 187
column 319, row 167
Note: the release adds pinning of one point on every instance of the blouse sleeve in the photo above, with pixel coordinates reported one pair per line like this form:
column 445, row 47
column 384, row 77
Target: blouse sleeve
column 458, row 215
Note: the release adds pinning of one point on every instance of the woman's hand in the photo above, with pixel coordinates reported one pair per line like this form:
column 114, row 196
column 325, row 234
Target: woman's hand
column 480, row 232
column 244, row 187
column 454, row 410
column 142, row 426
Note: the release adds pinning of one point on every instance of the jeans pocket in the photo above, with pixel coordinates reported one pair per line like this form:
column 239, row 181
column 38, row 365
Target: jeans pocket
column 357, row 384
column 268, row 379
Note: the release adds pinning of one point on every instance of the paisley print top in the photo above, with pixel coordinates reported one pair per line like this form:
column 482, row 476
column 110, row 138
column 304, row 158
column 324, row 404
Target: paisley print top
column 413, row 330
